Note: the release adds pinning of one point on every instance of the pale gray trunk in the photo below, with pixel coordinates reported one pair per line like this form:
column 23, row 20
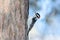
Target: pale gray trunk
column 13, row 18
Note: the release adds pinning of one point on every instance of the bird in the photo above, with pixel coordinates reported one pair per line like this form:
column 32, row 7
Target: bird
column 31, row 21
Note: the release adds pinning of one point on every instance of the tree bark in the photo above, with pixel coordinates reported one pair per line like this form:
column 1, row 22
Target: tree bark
column 13, row 18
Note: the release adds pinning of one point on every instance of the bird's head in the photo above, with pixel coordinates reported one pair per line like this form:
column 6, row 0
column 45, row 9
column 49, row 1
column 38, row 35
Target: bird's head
column 37, row 15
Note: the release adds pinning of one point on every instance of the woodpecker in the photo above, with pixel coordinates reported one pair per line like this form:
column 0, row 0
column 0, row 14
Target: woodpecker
column 31, row 21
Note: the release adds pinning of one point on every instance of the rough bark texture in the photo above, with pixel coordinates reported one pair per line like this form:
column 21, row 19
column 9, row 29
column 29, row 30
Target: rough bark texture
column 13, row 17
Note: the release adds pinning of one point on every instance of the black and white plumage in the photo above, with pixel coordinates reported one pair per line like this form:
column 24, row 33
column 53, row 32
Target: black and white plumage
column 31, row 21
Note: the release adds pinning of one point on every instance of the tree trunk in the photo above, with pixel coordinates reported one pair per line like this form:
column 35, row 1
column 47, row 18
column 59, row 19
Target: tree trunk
column 13, row 18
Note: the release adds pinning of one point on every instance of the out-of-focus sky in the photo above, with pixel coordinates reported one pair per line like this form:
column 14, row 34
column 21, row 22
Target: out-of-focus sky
column 41, row 29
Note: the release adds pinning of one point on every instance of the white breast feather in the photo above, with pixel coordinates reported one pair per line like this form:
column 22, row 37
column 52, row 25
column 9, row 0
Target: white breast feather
column 29, row 21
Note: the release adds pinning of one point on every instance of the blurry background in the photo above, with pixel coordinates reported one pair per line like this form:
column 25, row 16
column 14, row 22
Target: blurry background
column 48, row 26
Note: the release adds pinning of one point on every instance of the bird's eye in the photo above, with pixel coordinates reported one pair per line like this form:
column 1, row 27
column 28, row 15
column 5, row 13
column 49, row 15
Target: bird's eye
column 37, row 15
